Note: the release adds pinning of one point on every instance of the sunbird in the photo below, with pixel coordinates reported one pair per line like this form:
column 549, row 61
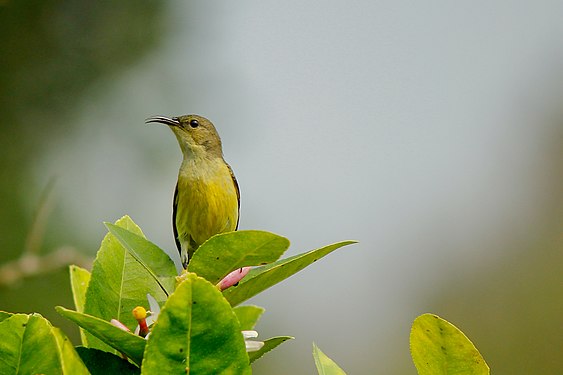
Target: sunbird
column 207, row 196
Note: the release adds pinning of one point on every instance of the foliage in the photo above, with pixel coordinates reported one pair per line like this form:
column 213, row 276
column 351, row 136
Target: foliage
column 198, row 330
column 31, row 345
column 438, row 347
column 325, row 365
column 192, row 324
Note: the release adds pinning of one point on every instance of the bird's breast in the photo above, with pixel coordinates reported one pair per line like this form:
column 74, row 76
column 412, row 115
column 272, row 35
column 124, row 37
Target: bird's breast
column 207, row 200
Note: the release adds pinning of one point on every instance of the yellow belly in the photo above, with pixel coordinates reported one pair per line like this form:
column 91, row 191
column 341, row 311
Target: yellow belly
column 207, row 202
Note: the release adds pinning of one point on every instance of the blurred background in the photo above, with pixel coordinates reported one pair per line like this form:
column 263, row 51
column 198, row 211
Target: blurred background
column 431, row 133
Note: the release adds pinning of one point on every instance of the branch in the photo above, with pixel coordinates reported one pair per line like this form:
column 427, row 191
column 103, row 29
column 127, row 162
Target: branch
column 29, row 265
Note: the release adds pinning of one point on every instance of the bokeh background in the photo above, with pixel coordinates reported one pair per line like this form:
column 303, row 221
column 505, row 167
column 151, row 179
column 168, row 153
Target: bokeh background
column 430, row 132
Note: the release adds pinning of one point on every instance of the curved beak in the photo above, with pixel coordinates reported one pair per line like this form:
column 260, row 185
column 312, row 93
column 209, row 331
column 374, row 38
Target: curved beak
column 163, row 120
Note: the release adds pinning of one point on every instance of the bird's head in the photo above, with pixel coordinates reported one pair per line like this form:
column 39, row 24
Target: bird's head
column 196, row 135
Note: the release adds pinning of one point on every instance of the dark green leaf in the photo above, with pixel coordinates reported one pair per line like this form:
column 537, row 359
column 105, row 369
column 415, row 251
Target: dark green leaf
column 269, row 345
column 104, row 363
column 196, row 332
column 127, row 343
column 4, row 315
column 261, row 278
column 225, row 252
column 438, row 347
column 153, row 258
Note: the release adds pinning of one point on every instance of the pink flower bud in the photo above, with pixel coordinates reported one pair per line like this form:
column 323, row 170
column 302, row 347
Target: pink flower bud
column 233, row 278
column 120, row 325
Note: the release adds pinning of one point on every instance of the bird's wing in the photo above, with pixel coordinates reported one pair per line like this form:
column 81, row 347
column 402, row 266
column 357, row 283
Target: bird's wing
column 174, row 210
column 238, row 192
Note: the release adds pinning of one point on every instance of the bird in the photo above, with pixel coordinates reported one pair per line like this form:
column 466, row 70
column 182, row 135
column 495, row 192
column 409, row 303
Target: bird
column 207, row 195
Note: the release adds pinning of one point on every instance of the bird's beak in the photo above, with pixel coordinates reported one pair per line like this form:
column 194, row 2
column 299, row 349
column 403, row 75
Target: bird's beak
column 164, row 120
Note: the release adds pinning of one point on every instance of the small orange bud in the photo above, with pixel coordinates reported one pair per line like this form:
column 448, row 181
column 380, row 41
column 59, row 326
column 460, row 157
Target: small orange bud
column 139, row 313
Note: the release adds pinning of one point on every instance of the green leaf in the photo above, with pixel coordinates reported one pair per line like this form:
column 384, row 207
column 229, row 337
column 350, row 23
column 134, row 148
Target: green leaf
column 79, row 279
column 269, row 345
column 69, row 358
column 154, row 259
column 31, row 345
column 261, row 278
column 118, row 284
column 127, row 343
column 104, row 363
column 225, row 252
column 4, row 315
column 325, row 365
column 438, row 347
column 248, row 316
column 196, row 332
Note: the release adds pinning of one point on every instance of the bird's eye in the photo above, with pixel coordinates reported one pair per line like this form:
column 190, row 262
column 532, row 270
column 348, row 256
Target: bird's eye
column 194, row 123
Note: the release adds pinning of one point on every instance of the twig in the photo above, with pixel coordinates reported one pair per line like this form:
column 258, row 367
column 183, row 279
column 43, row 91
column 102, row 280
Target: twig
column 30, row 263
column 36, row 232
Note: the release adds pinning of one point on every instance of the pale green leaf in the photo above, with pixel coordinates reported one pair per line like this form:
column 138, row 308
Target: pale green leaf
column 127, row 343
column 31, row 345
column 440, row 348
column 325, row 365
column 154, row 259
column 79, row 280
column 118, row 284
column 71, row 362
column 196, row 333
column 248, row 316
column 225, row 252
column 261, row 278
